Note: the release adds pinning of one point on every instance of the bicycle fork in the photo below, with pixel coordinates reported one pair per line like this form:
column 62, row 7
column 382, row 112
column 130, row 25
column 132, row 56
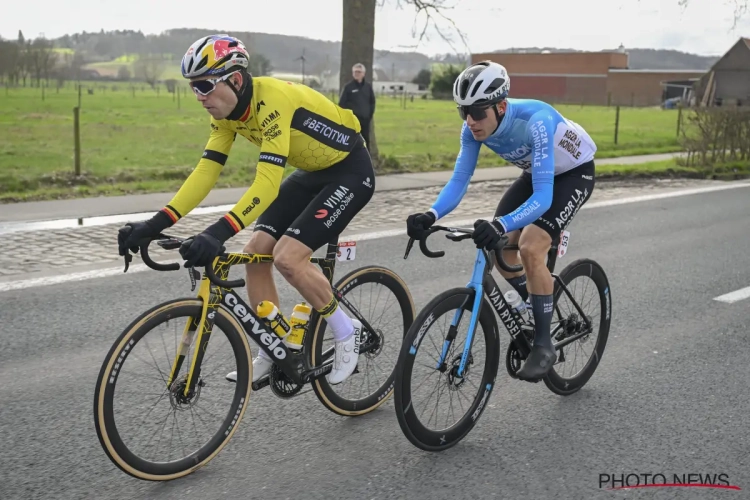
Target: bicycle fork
column 476, row 285
column 205, row 323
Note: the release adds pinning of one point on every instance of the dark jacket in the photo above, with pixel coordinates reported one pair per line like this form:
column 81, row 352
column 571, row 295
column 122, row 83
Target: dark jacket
column 360, row 98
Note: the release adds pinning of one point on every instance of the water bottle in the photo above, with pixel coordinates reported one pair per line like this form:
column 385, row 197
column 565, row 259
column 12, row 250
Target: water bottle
column 298, row 321
column 268, row 311
column 517, row 304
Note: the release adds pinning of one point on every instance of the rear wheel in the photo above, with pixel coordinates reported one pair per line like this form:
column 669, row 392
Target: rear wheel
column 578, row 360
column 153, row 431
column 383, row 299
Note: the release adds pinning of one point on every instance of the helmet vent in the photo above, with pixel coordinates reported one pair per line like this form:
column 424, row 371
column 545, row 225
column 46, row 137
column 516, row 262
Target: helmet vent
column 464, row 88
column 496, row 84
column 200, row 47
column 202, row 64
column 476, row 87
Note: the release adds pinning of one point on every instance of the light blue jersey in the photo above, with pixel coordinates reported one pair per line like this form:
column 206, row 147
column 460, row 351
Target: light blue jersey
column 533, row 136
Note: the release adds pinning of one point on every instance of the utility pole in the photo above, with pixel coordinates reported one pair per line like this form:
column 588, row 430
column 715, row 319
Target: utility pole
column 303, row 59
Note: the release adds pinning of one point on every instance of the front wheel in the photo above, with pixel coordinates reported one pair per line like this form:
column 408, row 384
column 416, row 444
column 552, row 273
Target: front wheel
column 436, row 406
column 383, row 299
column 150, row 429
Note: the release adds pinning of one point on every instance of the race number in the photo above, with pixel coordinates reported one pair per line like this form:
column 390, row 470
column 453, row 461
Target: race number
column 562, row 247
column 346, row 251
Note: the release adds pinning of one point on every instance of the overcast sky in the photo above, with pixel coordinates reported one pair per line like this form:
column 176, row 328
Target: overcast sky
column 577, row 24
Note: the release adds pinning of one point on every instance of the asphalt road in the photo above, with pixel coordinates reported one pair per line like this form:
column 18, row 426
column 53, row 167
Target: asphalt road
column 670, row 395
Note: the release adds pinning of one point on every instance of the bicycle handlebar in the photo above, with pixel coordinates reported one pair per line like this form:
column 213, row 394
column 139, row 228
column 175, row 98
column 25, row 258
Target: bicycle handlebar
column 463, row 234
column 223, row 283
column 172, row 243
column 155, row 265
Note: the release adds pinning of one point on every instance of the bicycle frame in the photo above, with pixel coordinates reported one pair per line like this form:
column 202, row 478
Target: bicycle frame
column 213, row 295
column 483, row 284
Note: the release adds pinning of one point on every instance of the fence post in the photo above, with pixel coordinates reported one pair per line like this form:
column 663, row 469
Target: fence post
column 178, row 97
column 79, row 95
column 77, row 140
column 617, row 122
column 679, row 118
column 42, row 85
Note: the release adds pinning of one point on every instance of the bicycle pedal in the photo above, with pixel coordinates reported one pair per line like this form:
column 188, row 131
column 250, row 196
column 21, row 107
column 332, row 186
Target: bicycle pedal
column 531, row 380
column 260, row 384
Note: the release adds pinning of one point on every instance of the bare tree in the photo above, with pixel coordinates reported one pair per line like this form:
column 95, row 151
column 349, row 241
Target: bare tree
column 9, row 60
column 433, row 15
column 149, row 68
column 24, row 66
column 357, row 46
column 358, row 38
column 41, row 59
column 75, row 63
column 741, row 9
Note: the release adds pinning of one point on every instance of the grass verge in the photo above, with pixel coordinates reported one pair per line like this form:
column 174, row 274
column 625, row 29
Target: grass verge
column 124, row 184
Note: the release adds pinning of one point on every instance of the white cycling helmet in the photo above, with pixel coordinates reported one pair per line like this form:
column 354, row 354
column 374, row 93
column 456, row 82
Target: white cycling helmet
column 483, row 83
column 214, row 55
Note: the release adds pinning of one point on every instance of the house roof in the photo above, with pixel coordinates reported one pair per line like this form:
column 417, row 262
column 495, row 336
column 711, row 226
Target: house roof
column 667, row 70
column 747, row 44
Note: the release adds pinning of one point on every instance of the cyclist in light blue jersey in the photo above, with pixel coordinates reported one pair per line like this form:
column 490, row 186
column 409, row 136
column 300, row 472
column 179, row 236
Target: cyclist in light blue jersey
column 556, row 156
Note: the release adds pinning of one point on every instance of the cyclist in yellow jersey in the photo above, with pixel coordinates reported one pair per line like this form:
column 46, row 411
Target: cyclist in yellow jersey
column 334, row 180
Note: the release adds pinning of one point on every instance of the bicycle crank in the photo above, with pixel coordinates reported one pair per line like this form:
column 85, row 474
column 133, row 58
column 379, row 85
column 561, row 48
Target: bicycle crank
column 281, row 385
column 513, row 360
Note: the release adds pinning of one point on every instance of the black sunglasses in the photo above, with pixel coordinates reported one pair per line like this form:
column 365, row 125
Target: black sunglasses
column 477, row 113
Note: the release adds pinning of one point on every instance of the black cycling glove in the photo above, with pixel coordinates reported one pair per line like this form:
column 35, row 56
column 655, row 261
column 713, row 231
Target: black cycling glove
column 487, row 234
column 203, row 248
column 417, row 224
column 132, row 233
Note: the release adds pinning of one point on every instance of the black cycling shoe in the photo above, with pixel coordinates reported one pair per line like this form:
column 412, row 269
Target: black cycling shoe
column 538, row 363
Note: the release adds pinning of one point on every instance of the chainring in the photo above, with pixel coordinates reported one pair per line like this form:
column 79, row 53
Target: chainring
column 513, row 360
column 281, row 385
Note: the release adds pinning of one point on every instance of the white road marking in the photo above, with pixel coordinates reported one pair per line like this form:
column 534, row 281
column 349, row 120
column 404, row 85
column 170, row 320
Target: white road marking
column 64, row 278
column 101, row 273
column 660, row 196
column 736, row 296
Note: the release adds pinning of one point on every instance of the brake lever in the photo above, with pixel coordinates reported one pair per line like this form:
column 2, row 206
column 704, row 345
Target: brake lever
column 408, row 247
column 194, row 277
column 128, row 258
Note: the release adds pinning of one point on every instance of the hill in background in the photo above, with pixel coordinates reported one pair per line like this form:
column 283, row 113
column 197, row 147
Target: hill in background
column 108, row 51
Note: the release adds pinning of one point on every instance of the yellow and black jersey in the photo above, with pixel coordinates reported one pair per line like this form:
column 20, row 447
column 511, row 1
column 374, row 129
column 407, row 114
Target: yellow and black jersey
column 290, row 123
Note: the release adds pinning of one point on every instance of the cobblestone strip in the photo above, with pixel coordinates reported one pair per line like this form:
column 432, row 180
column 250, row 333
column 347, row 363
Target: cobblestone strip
column 56, row 249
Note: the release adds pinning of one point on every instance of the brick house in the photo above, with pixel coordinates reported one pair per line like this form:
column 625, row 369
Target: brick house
column 594, row 78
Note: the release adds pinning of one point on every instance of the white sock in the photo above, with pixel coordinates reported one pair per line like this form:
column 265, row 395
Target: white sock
column 340, row 324
column 262, row 354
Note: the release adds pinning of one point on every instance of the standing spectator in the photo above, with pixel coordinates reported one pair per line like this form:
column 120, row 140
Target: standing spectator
column 359, row 96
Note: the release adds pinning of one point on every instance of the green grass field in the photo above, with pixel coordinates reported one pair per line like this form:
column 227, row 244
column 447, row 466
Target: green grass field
column 140, row 141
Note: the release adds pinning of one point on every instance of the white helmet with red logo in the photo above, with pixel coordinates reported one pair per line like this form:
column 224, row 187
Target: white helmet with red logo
column 214, row 55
